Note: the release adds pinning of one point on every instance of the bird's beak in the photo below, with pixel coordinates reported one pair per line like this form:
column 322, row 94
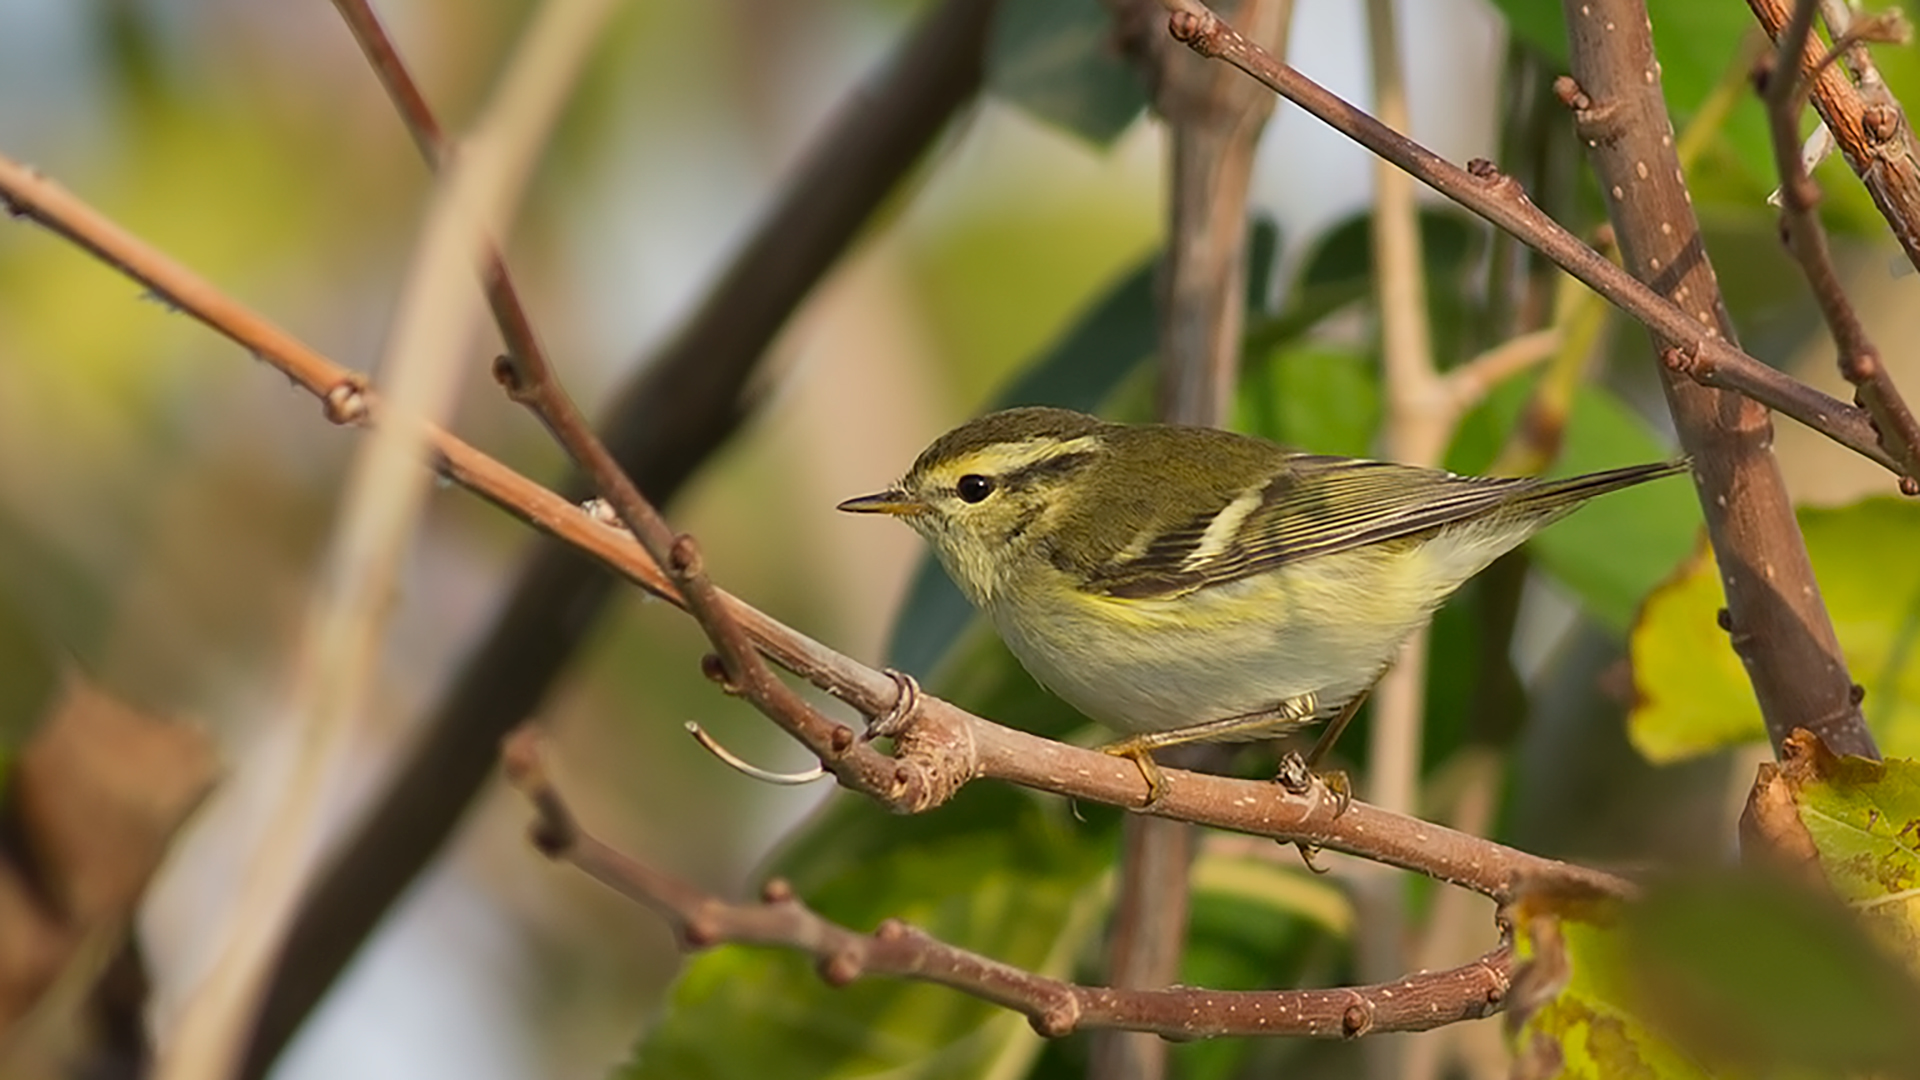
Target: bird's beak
column 891, row 501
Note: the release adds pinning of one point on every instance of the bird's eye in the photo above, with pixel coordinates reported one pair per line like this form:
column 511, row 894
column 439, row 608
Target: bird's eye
column 973, row 487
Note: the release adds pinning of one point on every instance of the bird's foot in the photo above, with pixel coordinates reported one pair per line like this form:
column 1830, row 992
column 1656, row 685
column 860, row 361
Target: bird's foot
column 1142, row 756
column 1298, row 778
column 906, row 704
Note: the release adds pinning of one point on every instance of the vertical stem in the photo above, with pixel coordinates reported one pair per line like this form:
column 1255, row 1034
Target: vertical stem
column 1777, row 621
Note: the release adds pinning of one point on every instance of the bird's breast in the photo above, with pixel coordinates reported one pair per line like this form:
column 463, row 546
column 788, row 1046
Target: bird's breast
column 1326, row 626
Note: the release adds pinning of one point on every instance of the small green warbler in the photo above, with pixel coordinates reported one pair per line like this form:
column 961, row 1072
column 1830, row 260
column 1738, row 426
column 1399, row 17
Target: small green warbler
column 1182, row 584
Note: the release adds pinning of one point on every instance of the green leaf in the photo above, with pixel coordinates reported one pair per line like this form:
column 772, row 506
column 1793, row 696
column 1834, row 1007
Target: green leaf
column 1586, row 1025
column 1079, row 371
column 1322, row 398
column 1345, row 254
column 1338, row 272
column 1744, row 967
column 1862, row 817
column 1056, row 60
column 1721, row 974
column 1256, row 923
column 1692, row 695
column 1256, row 926
column 1612, row 552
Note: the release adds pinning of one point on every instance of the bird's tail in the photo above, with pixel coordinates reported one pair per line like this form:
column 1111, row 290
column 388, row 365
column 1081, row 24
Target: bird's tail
column 1559, row 496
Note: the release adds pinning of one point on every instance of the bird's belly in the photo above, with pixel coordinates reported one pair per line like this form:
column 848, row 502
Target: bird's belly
column 1228, row 650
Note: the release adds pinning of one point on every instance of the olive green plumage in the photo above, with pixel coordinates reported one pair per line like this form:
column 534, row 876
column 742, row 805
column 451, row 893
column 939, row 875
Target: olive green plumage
column 1164, row 578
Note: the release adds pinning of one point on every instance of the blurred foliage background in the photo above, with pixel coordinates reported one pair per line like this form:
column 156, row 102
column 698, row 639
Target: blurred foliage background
column 162, row 498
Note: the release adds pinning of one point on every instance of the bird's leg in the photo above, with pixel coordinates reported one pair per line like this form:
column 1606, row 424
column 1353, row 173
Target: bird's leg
column 1297, row 776
column 1296, row 772
column 1139, row 748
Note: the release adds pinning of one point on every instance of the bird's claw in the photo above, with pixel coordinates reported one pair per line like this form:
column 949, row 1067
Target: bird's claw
column 1308, row 853
column 901, row 713
column 1298, row 778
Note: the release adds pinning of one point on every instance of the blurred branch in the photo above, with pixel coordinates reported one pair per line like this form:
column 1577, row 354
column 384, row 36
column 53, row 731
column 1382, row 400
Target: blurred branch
column 1214, row 119
column 509, row 314
column 686, row 400
column 1785, row 91
column 700, row 920
column 944, row 746
column 1483, row 190
column 350, row 604
column 1777, row 622
column 1579, row 312
column 1469, row 384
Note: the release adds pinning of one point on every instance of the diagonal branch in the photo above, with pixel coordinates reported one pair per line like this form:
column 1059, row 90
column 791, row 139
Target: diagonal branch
column 1482, row 189
column 699, row 919
column 344, row 626
column 945, row 748
column 1868, row 125
column 1780, row 626
column 509, row 314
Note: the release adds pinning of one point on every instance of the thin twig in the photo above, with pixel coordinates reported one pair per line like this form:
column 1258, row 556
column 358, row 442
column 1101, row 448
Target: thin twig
column 946, row 747
column 1785, row 92
column 1469, row 383
column 1055, row 1008
column 741, row 669
column 1482, row 189
column 509, row 314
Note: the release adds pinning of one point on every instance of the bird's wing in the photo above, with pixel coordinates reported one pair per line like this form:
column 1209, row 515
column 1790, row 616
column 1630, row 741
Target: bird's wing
column 1314, row 505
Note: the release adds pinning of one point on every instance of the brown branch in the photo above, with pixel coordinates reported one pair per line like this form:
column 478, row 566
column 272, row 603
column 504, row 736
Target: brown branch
column 1482, row 189
column 945, row 747
column 1781, row 629
column 1785, row 91
column 1055, row 1008
column 509, row 314
column 741, row 669
column 685, row 401
column 1868, row 125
